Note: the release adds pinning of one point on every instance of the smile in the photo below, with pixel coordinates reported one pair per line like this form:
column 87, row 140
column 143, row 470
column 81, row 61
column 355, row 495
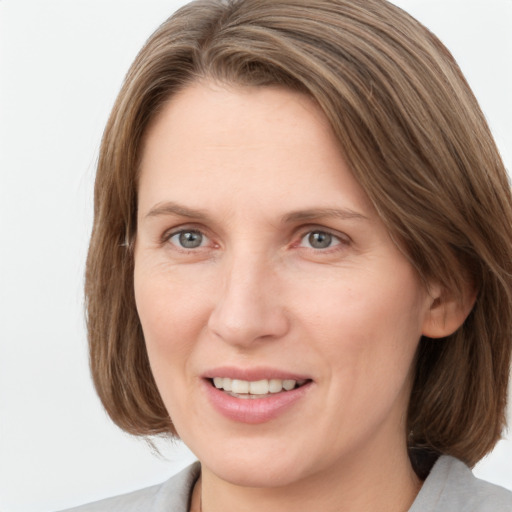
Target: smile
column 254, row 400
column 255, row 389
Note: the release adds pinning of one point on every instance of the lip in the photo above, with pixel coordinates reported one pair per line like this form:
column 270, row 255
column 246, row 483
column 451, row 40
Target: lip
column 253, row 410
column 252, row 374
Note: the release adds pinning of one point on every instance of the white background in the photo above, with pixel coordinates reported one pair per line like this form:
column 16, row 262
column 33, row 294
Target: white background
column 61, row 66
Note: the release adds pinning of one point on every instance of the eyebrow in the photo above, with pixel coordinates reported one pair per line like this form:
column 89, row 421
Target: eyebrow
column 171, row 208
column 322, row 213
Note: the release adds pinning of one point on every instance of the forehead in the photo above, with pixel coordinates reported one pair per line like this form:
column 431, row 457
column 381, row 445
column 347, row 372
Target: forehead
column 267, row 144
column 230, row 116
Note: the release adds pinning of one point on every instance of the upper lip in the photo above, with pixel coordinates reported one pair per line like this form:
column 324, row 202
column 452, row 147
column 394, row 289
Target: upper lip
column 253, row 374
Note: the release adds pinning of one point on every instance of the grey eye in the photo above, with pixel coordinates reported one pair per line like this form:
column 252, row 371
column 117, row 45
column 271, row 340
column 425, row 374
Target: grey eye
column 188, row 239
column 320, row 239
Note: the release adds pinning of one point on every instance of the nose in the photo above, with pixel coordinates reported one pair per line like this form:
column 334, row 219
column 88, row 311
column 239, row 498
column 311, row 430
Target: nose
column 249, row 307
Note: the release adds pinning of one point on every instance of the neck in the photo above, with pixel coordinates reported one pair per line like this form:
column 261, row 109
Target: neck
column 368, row 483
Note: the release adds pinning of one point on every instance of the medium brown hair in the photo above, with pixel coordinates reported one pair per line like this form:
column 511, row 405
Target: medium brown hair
column 415, row 139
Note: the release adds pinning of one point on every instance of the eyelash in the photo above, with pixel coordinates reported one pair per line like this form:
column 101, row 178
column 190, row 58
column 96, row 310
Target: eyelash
column 342, row 240
column 169, row 235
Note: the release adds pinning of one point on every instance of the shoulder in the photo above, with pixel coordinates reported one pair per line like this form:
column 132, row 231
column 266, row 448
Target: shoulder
column 171, row 496
column 452, row 486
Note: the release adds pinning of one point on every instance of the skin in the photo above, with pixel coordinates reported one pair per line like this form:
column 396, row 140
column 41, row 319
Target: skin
column 256, row 292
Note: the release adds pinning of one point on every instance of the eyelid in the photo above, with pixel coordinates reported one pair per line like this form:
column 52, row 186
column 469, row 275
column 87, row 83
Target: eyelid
column 169, row 233
column 305, row 230
column 343, row 239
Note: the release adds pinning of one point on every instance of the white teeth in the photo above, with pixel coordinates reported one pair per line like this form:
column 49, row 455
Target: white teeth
column 223, row 383
column 288, row 384
column 240, row 386
column 275, row 385
column 259, row 387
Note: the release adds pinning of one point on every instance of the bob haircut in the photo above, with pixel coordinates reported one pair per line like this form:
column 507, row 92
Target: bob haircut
column 416, row 141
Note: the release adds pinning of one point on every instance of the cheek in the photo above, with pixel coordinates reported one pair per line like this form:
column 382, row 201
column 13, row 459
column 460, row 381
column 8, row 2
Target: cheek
column 368, row 327
column 367, row 306
column 172, row 316
column 172, row 312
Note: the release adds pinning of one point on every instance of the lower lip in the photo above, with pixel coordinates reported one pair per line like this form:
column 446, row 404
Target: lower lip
column 254, row 410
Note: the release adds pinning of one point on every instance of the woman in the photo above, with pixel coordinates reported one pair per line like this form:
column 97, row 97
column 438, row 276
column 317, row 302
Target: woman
column 300, row 262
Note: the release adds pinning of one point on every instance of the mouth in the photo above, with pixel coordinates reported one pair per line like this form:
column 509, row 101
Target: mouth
column 255, row 395
column 263, row 388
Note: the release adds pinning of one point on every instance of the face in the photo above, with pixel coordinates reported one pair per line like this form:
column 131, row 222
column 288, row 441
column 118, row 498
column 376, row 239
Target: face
column 281, row 320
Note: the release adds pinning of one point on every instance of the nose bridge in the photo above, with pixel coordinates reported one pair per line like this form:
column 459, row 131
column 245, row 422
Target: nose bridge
column 248, row 302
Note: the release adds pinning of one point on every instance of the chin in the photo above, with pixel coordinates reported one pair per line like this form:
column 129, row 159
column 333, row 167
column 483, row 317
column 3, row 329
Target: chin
column 258, row 462
column 255, row 474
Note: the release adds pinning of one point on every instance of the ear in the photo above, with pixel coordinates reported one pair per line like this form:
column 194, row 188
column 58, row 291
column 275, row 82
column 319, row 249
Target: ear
column 447, row 311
